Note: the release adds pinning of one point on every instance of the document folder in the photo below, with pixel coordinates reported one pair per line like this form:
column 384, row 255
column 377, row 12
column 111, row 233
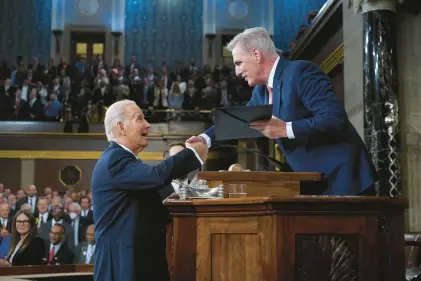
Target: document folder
column 234, row 122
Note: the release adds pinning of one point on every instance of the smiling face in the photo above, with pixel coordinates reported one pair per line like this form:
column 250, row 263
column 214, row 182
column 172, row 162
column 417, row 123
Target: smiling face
column 135, row 129
column 23, row 224
column 248, row 64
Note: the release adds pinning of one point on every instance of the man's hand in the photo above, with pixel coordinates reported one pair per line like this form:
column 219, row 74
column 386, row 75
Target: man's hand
column 194, row 139
column 200, row 148
column 4, row 263
column 273, row 128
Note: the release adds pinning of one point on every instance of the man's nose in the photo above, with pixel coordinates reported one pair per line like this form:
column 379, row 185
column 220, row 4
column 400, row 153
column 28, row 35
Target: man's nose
column 238, row 71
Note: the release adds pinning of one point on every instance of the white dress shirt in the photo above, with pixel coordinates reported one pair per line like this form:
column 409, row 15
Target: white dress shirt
column 89, row 252
column 32, row 201
column 56, row 249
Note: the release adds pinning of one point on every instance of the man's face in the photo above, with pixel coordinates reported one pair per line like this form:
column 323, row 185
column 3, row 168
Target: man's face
column 42, row 205
column 84, row 203
column 56, row 234
column 136, row 127
column 175, row 149
column 31, row 191
column 90, row 235
column 20, row 194
column 247, row 64
column 12, row 201
column 4, row 211
column 47, row 190
column 57, row 213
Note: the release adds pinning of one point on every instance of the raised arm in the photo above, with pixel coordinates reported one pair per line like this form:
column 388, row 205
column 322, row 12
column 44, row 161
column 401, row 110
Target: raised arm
column 130, row 174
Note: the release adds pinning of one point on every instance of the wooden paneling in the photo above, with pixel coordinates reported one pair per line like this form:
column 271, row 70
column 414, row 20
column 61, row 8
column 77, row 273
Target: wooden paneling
column 47, row 172
column 235, row 249
column 10, row 170
column 305, row 238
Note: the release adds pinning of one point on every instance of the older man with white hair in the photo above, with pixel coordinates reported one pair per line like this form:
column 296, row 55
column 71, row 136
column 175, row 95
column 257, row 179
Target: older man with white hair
column 128, row 212
column 309, row 123
column 79, row 224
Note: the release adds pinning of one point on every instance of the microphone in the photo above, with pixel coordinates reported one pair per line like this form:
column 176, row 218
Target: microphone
column 282, row 166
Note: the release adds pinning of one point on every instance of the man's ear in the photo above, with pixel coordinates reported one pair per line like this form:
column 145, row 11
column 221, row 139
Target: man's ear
column 257, row 55
column 120, row 127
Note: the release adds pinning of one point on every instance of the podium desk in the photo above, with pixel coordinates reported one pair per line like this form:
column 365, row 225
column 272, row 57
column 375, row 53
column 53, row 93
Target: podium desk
column 79, row 272
column 298, row 238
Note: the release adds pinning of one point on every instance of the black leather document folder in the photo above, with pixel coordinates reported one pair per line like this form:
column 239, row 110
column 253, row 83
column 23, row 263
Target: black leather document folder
column 234, row 122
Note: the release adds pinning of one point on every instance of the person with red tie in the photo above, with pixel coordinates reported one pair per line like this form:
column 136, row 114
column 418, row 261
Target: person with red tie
column 309, row 123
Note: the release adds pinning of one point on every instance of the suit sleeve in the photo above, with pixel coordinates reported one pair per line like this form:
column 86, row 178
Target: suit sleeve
column 36, row 255
column 130, row 174
column 317, row 95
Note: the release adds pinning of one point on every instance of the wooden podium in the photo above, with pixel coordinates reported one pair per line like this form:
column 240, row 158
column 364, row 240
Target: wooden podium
column 263, row 183
column 296, row 238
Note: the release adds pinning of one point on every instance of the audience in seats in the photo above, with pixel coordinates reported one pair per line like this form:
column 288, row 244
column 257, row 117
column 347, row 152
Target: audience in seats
column 80, row 90
column 69, row 230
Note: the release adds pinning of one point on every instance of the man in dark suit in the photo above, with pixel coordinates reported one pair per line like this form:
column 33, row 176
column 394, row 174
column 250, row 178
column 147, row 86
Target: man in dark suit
column 309, row 122
column 58, row 217
column 56, row 251
column 84, row 252
column 128, row 212
column 31, row 199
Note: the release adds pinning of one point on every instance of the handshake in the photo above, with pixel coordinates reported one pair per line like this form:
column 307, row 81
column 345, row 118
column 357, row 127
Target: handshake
column 199, row 145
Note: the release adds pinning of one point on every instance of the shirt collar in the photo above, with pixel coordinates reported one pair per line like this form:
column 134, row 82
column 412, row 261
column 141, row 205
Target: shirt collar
column 125, row 148
column 272, row 73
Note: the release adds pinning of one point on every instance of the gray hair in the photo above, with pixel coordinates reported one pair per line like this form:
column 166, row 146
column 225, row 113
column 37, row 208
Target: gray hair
column 256, row 37
column 115, row 114
column 78, row 207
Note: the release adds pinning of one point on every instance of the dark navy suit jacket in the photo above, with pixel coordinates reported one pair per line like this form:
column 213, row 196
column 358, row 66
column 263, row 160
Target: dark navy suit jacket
column 129, row 216
column 325, row 141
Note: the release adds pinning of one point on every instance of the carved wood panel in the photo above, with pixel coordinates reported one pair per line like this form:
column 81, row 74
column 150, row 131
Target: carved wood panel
column 244, row 243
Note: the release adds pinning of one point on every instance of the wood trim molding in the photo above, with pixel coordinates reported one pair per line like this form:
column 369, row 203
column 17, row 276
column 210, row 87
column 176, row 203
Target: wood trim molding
column 79, row 155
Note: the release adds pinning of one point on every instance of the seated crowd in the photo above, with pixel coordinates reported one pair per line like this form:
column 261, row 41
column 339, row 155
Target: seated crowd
column 83, row 90
column 51, row 229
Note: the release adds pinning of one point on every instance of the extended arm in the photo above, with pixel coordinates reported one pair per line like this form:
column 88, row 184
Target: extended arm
column 130, row 174
column 317, row 95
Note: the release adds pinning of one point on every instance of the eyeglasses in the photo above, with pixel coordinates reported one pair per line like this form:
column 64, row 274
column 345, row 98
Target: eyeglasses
column 55, row 233
column 25, row 222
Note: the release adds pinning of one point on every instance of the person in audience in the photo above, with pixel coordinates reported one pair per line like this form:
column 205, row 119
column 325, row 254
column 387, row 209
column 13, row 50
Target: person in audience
column 57, row 215
column 31, row 199
column 5, row 221
column 84, row 252
column 42, row 215
column 12, row 204
column 53, row 108
column 127, row 205
column 26, row 248
column 56, row 251
column 19, row 195
column 79, row 224
column 26, row 207
column 87, row 213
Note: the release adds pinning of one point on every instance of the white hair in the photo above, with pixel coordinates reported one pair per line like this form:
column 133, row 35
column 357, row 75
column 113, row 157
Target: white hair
column 256, row 37
column 115, row 114
column 77, row 206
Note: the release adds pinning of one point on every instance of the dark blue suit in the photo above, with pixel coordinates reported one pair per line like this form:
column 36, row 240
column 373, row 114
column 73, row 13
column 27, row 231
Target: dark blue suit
column 129, row 215
column 325, row 141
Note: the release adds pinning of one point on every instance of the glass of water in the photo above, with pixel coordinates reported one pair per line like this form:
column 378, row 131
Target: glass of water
column 237, row 190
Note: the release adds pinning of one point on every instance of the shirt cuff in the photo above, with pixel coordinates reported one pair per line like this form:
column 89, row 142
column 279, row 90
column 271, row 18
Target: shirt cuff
column 290, row 132
column 207, row 139
column 197, row 155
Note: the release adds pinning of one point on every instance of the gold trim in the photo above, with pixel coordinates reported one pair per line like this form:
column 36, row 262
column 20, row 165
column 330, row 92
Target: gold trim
column 90, row 134
column 335, row 58
column 79, row 155
column 63, row 183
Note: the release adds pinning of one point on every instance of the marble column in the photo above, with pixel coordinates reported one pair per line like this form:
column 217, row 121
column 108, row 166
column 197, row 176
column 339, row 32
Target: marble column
column 380, row 93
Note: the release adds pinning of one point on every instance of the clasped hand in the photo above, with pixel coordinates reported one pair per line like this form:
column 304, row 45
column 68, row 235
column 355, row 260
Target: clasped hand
column 199, row 146
column 273, row 128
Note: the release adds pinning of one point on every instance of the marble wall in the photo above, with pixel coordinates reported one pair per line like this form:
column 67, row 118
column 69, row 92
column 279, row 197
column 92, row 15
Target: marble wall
column 409, row 83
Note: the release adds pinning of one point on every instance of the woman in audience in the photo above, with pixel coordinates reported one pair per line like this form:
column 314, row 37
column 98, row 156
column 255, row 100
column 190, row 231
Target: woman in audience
column 26, row 247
